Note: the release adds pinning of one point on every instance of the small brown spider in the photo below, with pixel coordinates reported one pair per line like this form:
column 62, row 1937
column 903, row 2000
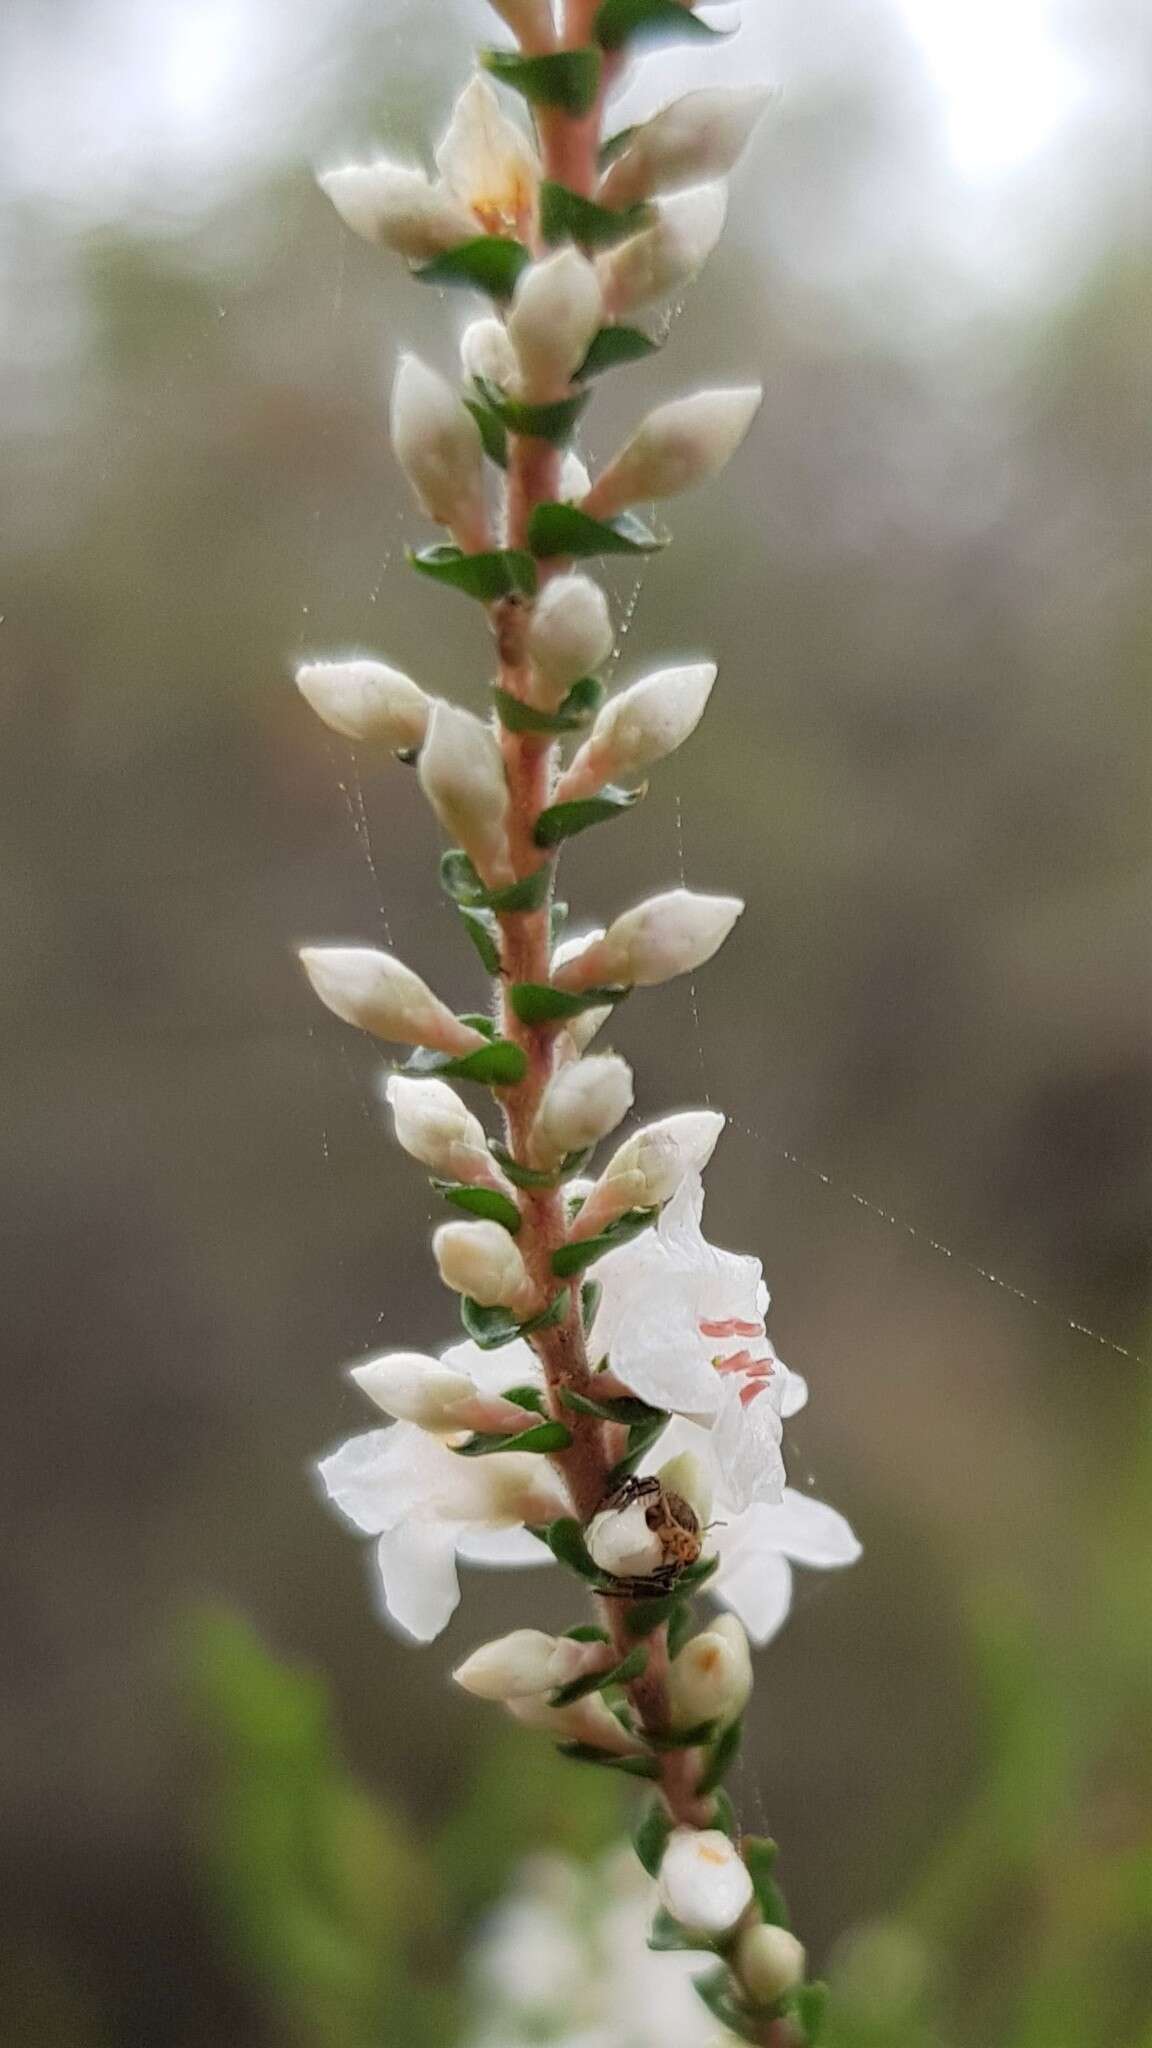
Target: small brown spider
column 672, row 1519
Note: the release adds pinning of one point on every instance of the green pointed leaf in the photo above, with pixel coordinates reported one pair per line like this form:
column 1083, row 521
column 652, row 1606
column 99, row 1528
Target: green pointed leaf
column 630, row 1667
column 531, row 1398
column 577, row 710
column 641, row 1437
column 564, row 530
column 490, row 1328
column 572, row 1258
column 563, row 821
column 537, row 1002
column 565, row 1539
column 502, row 572
column 489, row 263
column 460, row 881
column 719, row 1991
column 724, row 1815
column 614, row 347
column 650, row 1836
column 554, row 422
column 696, row 1575
column 493, row 432
column 567, row 217
column 626, row 1410
column 632, row 1766
column 684, row 1738
column 645, row 1615
column 615, row 145
column 589, row 1303
column 680, row 1625
column 498, row 1065
column 484, row 932
column 486, row 1202
column 565, row 78
column 530, row 893
column 810, row 2005
column 760, row 1855
column 725, row 1750
column 624, row 21
column 587, row 1632
column 543, row 1438
column 667, row 1934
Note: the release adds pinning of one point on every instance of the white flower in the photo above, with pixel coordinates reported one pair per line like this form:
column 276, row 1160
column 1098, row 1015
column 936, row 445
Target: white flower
column 569, row 635
column 620, row 1542
column 435, row 1127
column 461, row 772
column 485, row 351
column 481, row 1260
column 678, row 446
column 556, row 309
column 697, row 137
column 580, row 1105
column 488, row 184
column 642, row 725
column 703, row 1882
column 523, row 1663
column 427, row 1507
column 667, row 935
column 366, row 700
column 414, row 1388
column 711, row 1679
column 665, row 256
column 769, row 1961
column 438, row 446
column 376, row 992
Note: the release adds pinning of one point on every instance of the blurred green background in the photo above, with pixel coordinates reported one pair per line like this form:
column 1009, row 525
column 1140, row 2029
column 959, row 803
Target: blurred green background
column 927, row 765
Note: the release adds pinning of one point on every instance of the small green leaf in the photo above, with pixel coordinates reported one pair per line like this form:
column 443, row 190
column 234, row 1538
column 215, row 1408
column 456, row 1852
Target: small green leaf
column 502, row 572
column 498, row 1065
column 578, row 708
column 484, row 932
column 572, row 1258
column 526, row 1397
column 650, row 1836
column 543, row 1437
column 486, row 1202
column 555, row 422
column 564, row 530
column 680, row 1625
column 489, row 263
column 460, row 881
column 641, row 1437
column 555, row 1312
column 724, row 1815
column 563, row 821
column 614, row 146
column 589, row 1303
column 666, row 1934
column 645, row 1615
column 493, row 432
column 567, row 217
column 565, row 78
column 629, row 1668
column 810, row 2005
column 530, row 893
column 725, row 1750
column 537, row 1002
column 623, row 21
column 685, row 1738
column 760, row 1855
column 719, row 1992
column 488, row 1327
column 613, row 348
column 696, row 1575
column 587, row 1632
column 627, row 1410
column 632, row 1766
column 565, row 1539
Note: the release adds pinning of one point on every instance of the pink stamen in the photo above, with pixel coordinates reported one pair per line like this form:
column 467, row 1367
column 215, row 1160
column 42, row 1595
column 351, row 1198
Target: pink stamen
column 738, row 1361
column 748, row 1394
column 731, row 1327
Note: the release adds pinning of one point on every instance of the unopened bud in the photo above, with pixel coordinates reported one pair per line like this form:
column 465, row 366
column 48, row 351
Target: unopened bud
column 569, row 635
column 581, row 1104
column 435, row 1127
column 379, row 994
column 462, row 774
column 398, row 208
column 639, row 727
column 665, row 257
column 697, row 137
column 413, row 1388
column 703, row 1883
column 687, row 1475
column 518, row 1665
column 711, row 1679
column 769, row 1962
column 480, row 1259
column 648, row 1168
column 365, row 700
column 668, row 935
column 581, row 1029
column 587, row 1720
column 438, row 446
column 485, row 351
column 556, row 309
column 621, row 1543
column 678, row 446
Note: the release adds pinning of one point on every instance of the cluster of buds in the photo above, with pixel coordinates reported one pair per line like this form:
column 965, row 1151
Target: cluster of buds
column 534, row 1439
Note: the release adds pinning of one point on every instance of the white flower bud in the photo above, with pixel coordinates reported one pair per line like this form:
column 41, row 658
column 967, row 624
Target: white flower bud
column 485, row 351
column 587, row 1720
column 413, row 1388
column 481, row 1259
column 365, row 700
column 438, row 446
column 581, row 1029
column 769, row 1961
column 435, row 1127
column 668, row 935
column 678, row 446
column 381, row 995
column 398, row 208
column 711, row 1679
column 620, row 1542
column 575, row 481
column 703, row 1882
column 461, row 773
column 518, row 1665
column 665, row 257
column 687, row 1475
column 581, row 1104
column 556, row 309
column 699, row 136
column 662, row 1153
column 637, row 728
column 569, row 635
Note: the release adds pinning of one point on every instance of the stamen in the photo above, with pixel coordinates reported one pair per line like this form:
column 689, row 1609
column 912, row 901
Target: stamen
column 732, row 1326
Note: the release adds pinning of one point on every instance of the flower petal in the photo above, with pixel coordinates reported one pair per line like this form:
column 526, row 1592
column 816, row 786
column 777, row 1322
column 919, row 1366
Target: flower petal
column 793, row 1390
column 355, row 1477
column 512, row 1365
column 746, row 1444
column 478, row 1545
column 417, row 1564
column 810, row 1531
column 758, row 1588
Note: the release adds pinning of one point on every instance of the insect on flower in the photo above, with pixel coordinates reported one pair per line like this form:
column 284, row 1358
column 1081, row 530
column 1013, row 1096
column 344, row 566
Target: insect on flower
column 674, row 1524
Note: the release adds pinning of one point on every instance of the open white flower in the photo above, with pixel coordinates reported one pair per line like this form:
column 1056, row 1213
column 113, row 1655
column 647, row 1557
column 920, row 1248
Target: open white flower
column 489, row 175
column 427, row 1508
